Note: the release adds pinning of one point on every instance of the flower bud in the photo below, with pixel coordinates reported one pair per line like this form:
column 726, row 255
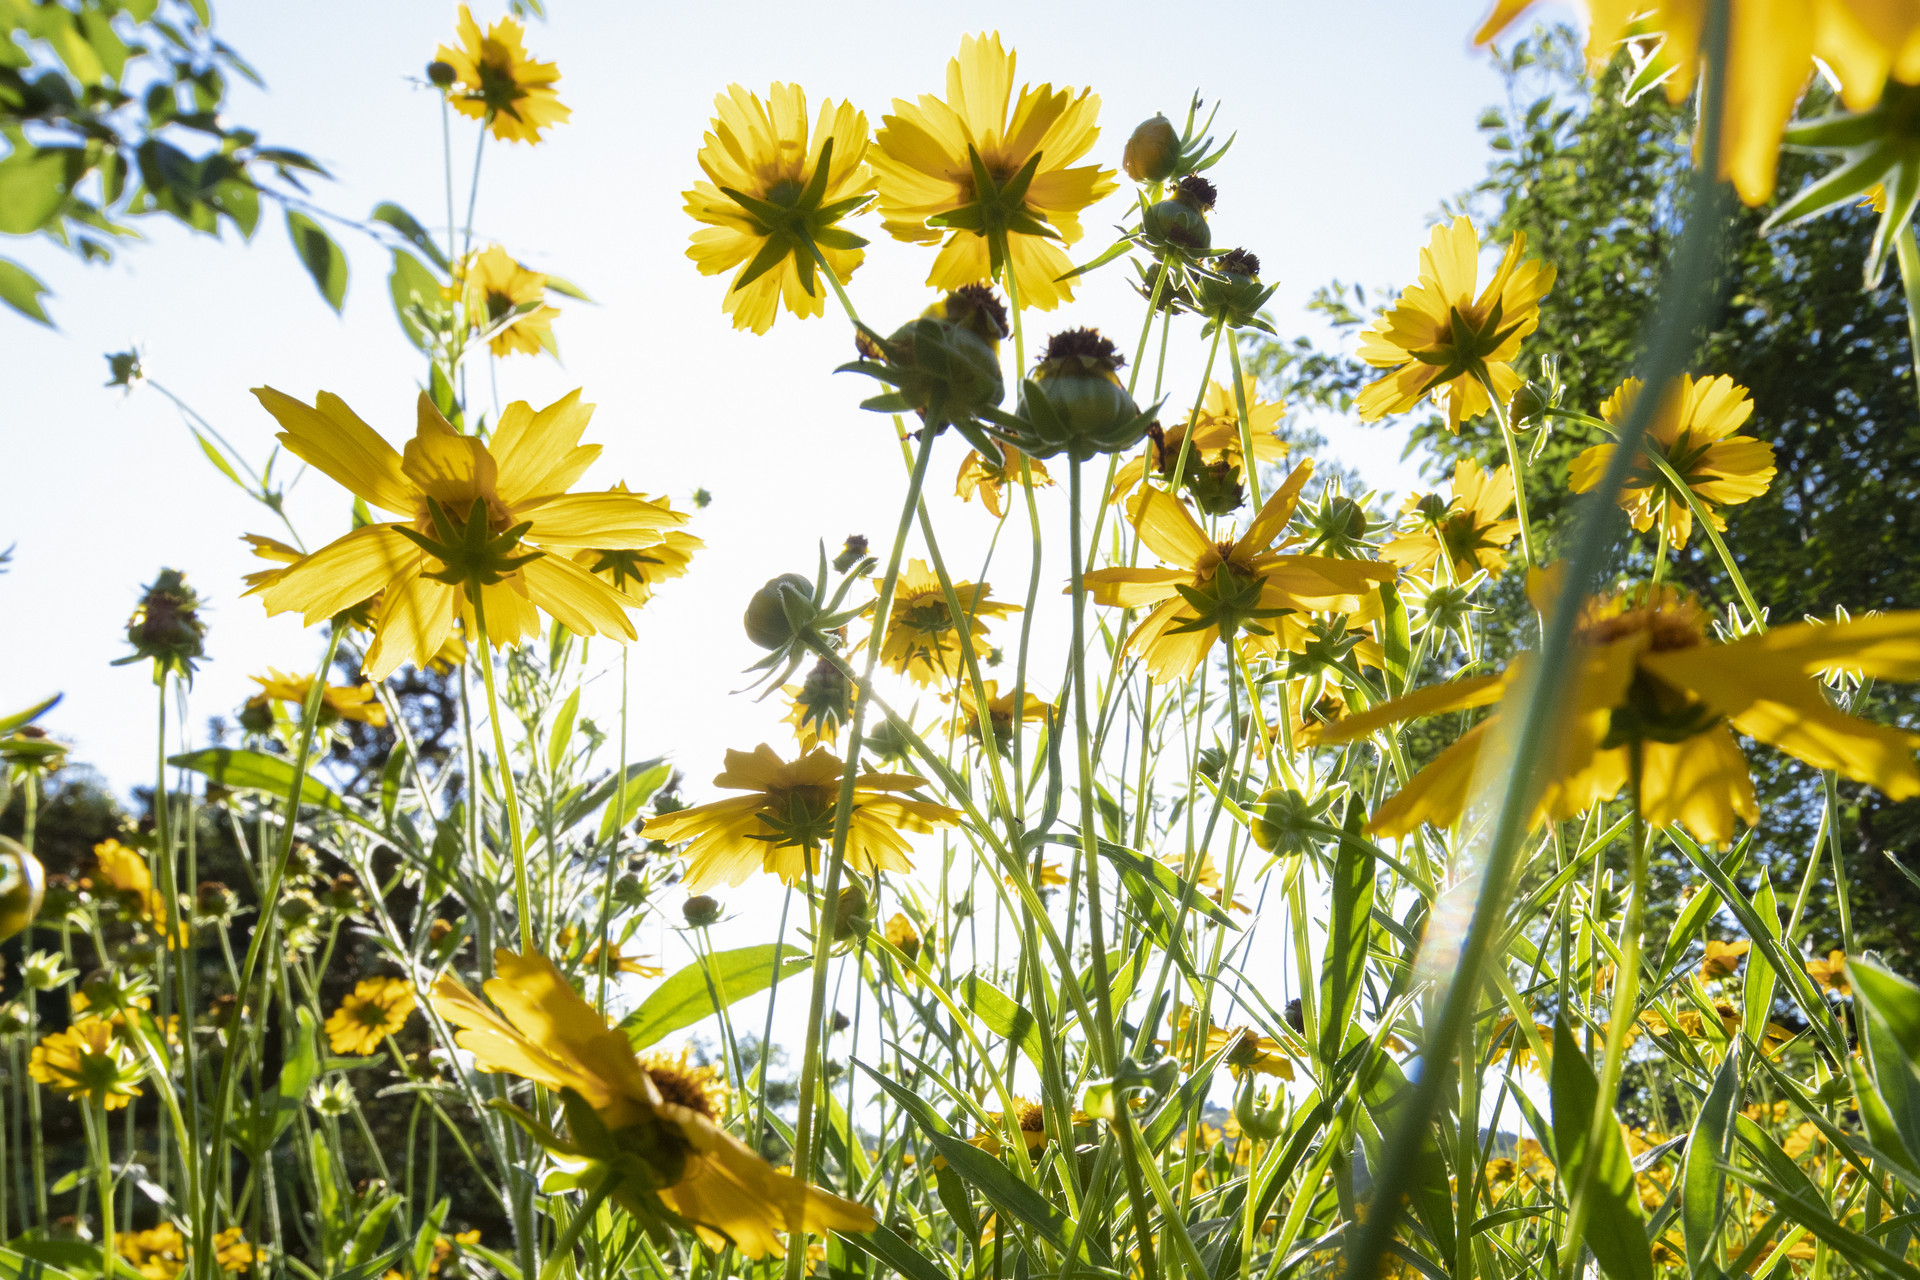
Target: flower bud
column 850, row 913
column 1232, row 295
column 1215, row 486
column 1180, row 220
column 851, row 554
column 22, row 884
column 1082, row 409
column 1286, row 822
column 440, row 73
column 257, row 715
column 45, row 971
column 166, row 626
column 1153, row 152
column 700, row 910
column 766, row 617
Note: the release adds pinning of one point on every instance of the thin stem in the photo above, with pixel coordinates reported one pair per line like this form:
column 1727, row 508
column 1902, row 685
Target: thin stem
column 509, row 798
column 1249, row 466
column 1519, row 468
column 1908, row 254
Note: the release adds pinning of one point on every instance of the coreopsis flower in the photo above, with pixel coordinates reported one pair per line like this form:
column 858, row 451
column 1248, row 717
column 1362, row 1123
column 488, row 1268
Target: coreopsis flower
column 1206, row 875
column 378, row 1008
column 629, row 1110
column 785, row 818
column 611, row 951
column 635, row 571
column 1207, row 589
column 125, row 871
column 923, row 641
column 1471, row 524
column 158, row 1253
column 1722, row 959
column 494, row 81
column 821, row 705
column 988, row 481
column 337, row 701
column 1771, row 53
column 497, row 287
column 1249, row 1052
column 1645, row 671
column 88, row 1061
column 1001, row 710
column 1693, row 431
column 1032, row 1120
column 1001, row 189
column 1831, row 973
column 903, row 937
column 1440, row 339
column 478, row 524
column 233, row 1252
column 1214, row 469
column 775, row 198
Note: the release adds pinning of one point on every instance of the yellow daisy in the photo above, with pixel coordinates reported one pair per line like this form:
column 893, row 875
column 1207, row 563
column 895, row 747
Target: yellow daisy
column 1831, row 973
column 497, row 285
column 923, row 641
column 232, row 1251
column 158, row 1253
column 1470, row 524
column 549, row 1035
column 378, row 1008
column 786, row 817
column 87, row 1061
column 996, row 186
column 126, row 871
column 774, row 196
column 1722, row 959
column 1771, row 53
column 1693, row 430
column 1207, row 588
column 1216, row 439
column 498, row 83
column 492, row 512
column 989, row 482
column 634, row 572
column 337, row 701
column 903, row 937
column 1646, row 670
column 1000, row 710
column 1440, row 337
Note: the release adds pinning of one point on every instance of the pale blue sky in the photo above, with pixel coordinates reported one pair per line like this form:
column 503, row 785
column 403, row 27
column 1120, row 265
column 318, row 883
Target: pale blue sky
column 1355, row 120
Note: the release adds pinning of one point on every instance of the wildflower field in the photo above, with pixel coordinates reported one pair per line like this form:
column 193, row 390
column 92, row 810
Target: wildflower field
column 1231, row 870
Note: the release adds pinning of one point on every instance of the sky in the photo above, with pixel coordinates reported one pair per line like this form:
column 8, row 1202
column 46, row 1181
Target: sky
column 1354, row 122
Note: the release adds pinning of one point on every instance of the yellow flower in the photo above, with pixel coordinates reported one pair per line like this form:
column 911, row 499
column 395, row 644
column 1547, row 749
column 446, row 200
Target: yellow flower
column 999, row 188
column 88, row 1061
column 517, row 484
column 786, row 817
column 1050, row 877
column 1216, row 438
column 158, row 1253
column 775, row 197
column 337, row 701
column 617, row 959
column 1831, row 973
column 126, row 871
column 1440, row 339
column 1000, row 710
column 1206, row 875
column 634, row 572
column 1692, row 430
column 551, row 1036
column 232, row 1252
column 498, row 83
column 903, row 937
column 1236, row 586
column 496, row 285
column 1471, row 525
column 1722, row 959
column 1645, row 669
column 1771, row 52
column 378, row 1008
column 923, row 642
column 982, row 479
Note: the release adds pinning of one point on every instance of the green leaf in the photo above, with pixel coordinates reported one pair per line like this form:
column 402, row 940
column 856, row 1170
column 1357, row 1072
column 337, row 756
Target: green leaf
column 8, row 723
column 1699, row 910
column 1757, row 993
column 1616, row 1232
column 1348, row 925
column 410, row 230
column 1810, row 1212
column 1387, row 1097
column 390, row 776
column 217, row 458
column 22, row 290
column 643, row 779
column 566, row 288
column 886, row 1247
column 418, row 302
column 562, row 732
column 34, row 182
column 243, row 770
column 685, row 998
column 1396, row 639
column 429, row 1232
column 1709, row 1147
column 323, row 259
column 1891, row 1006
column 1003, row 1015
column 371, row 1231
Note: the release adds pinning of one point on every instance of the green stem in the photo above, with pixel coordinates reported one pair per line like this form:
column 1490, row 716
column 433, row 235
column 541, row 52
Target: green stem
column 805, row 1123
column 509, row 798
column 1519, row 468
column 103, row 1181
column 1249, row 466
column 1908, row 254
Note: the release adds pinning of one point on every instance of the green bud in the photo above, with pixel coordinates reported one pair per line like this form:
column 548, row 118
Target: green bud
column 1286, row 822
column 700, row 910
column 440, row 73
column 766, row 617
column 1153, row 152
column 1081, row 408
column 850, row 913
column 1181, row 219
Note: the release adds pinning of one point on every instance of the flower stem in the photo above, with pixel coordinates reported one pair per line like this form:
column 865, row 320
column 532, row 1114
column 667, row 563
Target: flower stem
column 509, row 798
column 1249, row 466
column 805, row 1124
column 1518, row 466
column 103, row 1182
column 1908, row 254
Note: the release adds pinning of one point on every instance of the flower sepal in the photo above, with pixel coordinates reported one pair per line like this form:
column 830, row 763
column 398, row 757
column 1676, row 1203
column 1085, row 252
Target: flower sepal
column 471, row 555
column 943, row 365
column 795, row 618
